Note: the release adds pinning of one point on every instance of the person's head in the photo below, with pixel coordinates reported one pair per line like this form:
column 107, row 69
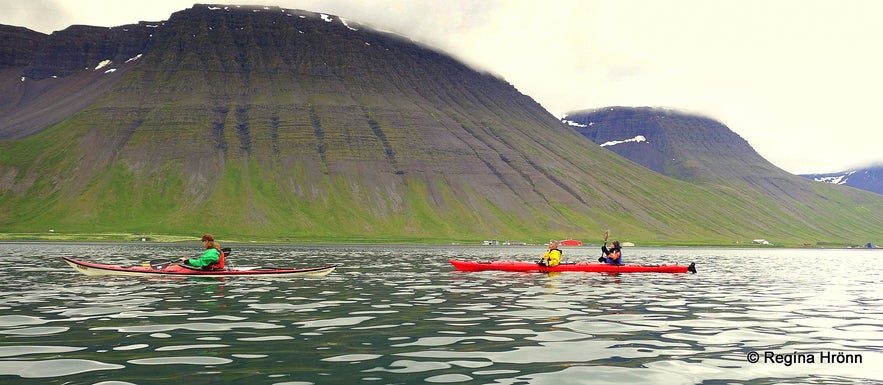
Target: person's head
column 208, row 241
column 616, row 244
column 553, row 244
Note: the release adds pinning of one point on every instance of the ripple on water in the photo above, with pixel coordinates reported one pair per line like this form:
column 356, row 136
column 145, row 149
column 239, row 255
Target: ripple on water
column 114, row 383
column 189, row 347
column 131, row 347
column 249, row 356
column 449, row 378
column 194, row 326
column 20, row 320
column 410, row 366
column 35, row 331
column 53, row 368
column 293, row 383
column 23, row 350
column 265, row 338
column 352, row 358
column 333, row 322
column 181, row 360
column 445, row 341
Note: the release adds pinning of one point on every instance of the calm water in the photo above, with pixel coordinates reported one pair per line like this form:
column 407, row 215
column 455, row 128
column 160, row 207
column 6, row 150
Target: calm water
column 397, row 314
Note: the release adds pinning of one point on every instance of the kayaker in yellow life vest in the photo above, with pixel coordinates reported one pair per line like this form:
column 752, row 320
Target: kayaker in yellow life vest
column 552, row 257
column 212, row 253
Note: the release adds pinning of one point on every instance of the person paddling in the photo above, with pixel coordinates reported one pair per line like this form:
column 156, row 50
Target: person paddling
column 552, row 257
column 211, row 255
column 613, row 255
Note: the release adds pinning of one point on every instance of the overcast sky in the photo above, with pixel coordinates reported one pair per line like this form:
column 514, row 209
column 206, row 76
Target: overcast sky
column 800, row 80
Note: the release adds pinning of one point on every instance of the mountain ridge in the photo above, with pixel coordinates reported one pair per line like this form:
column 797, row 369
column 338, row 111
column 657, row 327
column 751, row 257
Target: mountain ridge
column 686, row 146
column 270, row 123
column 868, row 178
column 639, row 134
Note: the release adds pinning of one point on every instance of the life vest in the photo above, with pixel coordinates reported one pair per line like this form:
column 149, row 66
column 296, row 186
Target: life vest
column 615, row 261
column 548, row 262
column 219, row 265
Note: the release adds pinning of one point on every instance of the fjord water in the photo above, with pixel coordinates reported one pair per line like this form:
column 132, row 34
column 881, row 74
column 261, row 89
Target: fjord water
column 402, row 314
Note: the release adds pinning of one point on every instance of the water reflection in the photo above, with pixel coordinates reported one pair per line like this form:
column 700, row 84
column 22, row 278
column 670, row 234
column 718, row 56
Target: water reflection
column 397, row 314
column 53, row 368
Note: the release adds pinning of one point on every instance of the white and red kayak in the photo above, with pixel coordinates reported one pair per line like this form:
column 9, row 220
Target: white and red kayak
column 174, row 269
column 578, row 266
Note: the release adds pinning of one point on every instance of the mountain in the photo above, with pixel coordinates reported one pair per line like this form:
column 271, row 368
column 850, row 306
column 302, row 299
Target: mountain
column 870, row 179
column 700, row 150
column 680, row 145
column 264, row 123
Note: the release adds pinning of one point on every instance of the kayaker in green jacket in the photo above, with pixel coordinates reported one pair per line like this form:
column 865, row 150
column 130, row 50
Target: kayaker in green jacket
column 212, row 253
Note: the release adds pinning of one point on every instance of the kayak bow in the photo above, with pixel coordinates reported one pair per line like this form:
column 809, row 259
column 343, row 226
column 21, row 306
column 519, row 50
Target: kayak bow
column 91, row 268
column 578, row 266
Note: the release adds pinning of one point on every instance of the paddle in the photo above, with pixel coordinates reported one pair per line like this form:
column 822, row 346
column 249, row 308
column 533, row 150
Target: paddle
column 603, row 257
column 159, row 264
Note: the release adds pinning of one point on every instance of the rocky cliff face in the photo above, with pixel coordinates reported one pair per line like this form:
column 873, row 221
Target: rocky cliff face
column 81, row 47
column 65, row 52
column 47, row 78
column 19, row 46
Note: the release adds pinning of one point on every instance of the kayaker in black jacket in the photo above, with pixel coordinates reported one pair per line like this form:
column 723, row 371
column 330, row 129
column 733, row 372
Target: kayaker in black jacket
column 612, row 255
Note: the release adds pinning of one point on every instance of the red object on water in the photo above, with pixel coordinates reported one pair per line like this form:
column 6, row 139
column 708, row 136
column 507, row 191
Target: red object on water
column 533, row 267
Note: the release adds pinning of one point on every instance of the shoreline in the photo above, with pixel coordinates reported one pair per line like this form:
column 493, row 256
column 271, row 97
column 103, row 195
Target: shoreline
column 129, row 238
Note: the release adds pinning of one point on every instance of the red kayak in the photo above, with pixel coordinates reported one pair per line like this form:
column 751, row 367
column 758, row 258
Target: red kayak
column 172, row 269
column 578, row 266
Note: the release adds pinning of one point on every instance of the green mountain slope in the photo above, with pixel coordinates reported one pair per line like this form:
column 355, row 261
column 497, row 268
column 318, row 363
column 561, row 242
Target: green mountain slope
column 271, row 124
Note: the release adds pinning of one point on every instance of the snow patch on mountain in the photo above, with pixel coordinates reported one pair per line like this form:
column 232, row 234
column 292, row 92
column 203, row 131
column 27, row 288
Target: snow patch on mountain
column 576, row 124
column 835, row 179
column 636, row 139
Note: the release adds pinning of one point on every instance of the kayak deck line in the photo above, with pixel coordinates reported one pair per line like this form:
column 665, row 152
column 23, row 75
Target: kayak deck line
column 91, row 268
column 521, row 266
